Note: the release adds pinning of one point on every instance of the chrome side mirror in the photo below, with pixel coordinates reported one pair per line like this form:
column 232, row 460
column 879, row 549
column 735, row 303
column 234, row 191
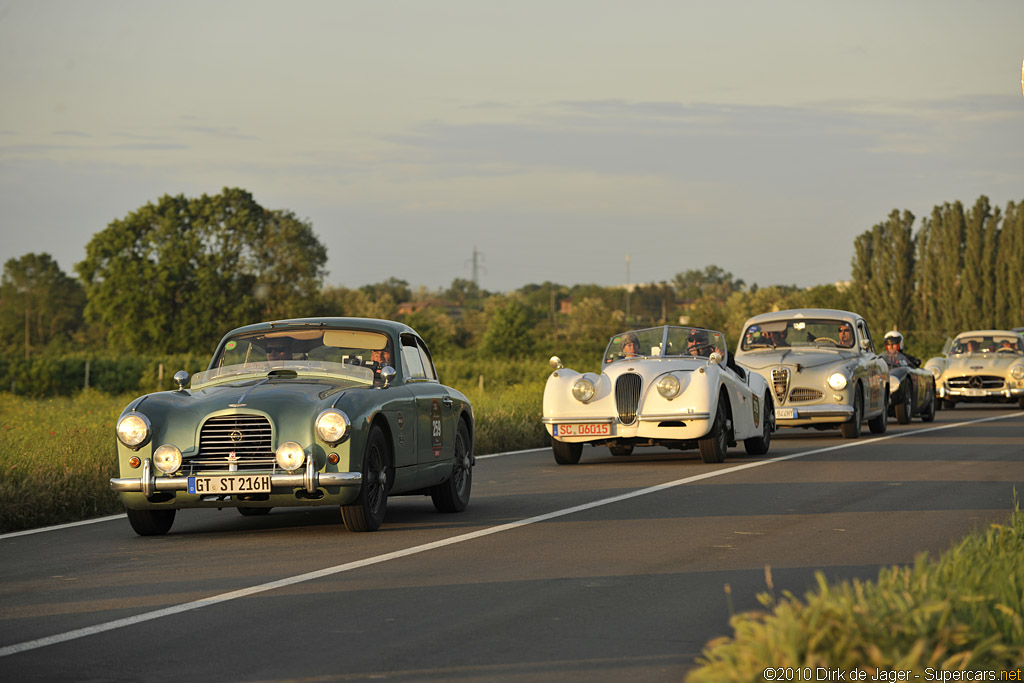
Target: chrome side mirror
column 387, row 374
column 715, row 358
column 181, row 379
column 555, row 362
column 865, row 345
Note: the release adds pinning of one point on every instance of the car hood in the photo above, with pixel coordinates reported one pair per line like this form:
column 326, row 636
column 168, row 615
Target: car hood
column 982, row 364
column 291, row 404
column 806, row 358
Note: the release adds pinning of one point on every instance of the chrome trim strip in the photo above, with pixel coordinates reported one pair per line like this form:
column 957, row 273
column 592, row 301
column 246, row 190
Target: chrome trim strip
column 578, row 420
column 682, row 417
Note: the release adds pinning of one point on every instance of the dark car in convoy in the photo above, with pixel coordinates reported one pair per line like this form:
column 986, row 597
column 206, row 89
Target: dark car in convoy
column 296, row 413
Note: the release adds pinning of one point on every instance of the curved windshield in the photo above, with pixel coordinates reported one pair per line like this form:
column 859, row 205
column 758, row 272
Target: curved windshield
column 798, row 332
column 665, row 342
column 356, row 355
column 971, row 344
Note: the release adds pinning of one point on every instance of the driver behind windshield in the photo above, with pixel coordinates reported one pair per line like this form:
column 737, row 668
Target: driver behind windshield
column 279, row 348
column 845, row 332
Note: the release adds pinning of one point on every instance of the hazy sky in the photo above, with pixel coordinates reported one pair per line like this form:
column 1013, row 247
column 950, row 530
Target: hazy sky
column 554, row 137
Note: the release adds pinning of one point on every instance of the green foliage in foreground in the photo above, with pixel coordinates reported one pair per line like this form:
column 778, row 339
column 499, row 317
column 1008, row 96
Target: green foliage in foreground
column 57, row 455
column 961, row 611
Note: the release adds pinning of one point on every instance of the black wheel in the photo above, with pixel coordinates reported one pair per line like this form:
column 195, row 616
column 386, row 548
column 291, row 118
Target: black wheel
column 566, row 453
column 453, row 494
column 928, row 412
column 716, row 443
column 879, row 424
column 367, row 514
column 902, row 414
column 851, row 429
column 758, row 445
column 253, row 512
column 624, row 449
column 151, row 522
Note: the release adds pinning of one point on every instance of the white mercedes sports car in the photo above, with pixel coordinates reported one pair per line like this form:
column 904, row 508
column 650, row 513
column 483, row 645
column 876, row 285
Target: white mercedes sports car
column 981, row 365
column 674, row 387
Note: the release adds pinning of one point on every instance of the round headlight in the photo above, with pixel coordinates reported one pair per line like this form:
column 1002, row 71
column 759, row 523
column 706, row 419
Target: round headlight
column 332, row 426
column 668, row 386
column 290, row 456
column 837, row 381
column 894, row 384
column 133, row 430
column 583, row 390
column 1017, row 372
column 935, row 371
column 167, row 459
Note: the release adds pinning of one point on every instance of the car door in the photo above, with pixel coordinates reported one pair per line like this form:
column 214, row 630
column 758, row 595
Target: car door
column 875, row 370
column 435, row 430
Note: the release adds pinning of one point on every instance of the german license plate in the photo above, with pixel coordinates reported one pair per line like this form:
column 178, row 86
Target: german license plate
column 235, row 483
column 582, row 430
column 974, row 392
column 785, row 413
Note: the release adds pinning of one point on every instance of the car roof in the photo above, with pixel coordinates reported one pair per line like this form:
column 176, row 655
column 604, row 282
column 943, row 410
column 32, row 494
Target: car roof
column 810, row 313
column 372, row 324
column 988, row 333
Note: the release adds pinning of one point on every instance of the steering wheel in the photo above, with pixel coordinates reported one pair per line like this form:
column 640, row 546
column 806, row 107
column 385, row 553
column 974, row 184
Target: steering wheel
column 826, row 339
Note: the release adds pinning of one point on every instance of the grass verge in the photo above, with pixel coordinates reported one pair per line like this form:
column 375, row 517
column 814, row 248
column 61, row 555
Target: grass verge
column 961, row 611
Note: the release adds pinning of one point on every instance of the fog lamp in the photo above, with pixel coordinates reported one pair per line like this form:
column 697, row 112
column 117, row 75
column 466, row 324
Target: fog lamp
column 290, row 456
column 167, row 458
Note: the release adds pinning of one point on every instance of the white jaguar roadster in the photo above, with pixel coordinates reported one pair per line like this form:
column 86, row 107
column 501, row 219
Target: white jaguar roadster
column 674, row 387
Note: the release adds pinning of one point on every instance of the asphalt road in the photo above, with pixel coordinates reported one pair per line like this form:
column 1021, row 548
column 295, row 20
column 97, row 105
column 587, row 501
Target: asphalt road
column 609, row 569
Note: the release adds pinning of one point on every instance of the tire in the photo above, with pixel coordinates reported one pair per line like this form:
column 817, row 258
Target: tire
column 758, row 445
column 1020, row 403
column 946, row 404
column 625, row 449
column 714, row 446
column 367, row 513
column 902, row 415
column 851, row 429
column 151, row 522
column 928, row 412
column 453, row 494
column 253, row 512
column 566, row 453
column 879, row 424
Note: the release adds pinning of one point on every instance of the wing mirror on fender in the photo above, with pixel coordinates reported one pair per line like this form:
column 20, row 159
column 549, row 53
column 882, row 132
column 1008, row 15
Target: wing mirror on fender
column 181, row 379
column 715, row 358
column 387, row 374
column 555, row 362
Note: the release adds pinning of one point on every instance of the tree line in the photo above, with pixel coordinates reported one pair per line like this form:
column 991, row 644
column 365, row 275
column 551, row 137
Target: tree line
column 173, row 276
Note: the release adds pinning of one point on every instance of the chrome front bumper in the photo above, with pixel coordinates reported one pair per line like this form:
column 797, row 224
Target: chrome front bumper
column 946, row 392
column 310, row 480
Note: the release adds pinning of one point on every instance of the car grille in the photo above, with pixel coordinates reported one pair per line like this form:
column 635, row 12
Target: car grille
column 627, row 396
column 234, row 442
column 975, row 382
column 780, row 382
column 802, row 394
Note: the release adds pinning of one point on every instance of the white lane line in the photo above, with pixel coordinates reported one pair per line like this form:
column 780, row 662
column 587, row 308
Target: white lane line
column 358, row 564
column 61, row 526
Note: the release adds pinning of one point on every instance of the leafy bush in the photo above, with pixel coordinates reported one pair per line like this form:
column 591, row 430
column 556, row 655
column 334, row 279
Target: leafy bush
column 960, row 611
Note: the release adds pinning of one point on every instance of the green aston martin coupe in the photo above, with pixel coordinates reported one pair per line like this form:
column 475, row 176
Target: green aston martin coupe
column 313, row 411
